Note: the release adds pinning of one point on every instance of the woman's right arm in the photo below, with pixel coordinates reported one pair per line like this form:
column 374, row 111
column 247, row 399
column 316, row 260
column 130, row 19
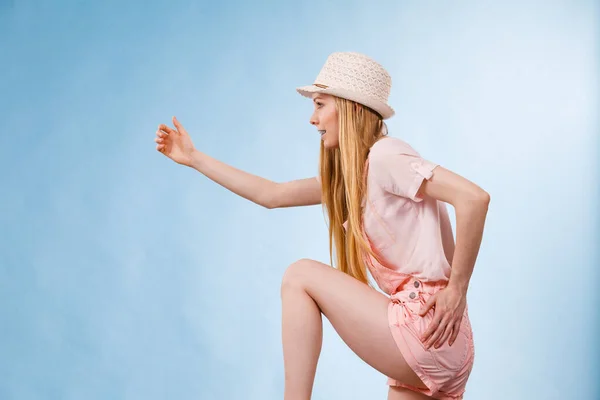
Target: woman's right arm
column 177, row 145
column 264, row 192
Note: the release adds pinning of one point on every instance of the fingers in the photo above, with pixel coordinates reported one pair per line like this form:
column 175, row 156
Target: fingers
column 433, row 327
column 178, row 126
column 161, row 147
column 162, row 135
column 455, row 331
column 165, row 130
column 160, row 140
column 430, row 302
column 438, row 330
column 165, row 135
column 444, row 336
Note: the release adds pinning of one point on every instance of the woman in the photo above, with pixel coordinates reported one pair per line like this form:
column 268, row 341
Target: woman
column 386, row 209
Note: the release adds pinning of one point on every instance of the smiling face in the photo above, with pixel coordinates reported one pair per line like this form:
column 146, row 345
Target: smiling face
column 325, row 119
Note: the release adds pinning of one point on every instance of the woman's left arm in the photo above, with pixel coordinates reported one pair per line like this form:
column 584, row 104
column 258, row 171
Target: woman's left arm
column 470, row 203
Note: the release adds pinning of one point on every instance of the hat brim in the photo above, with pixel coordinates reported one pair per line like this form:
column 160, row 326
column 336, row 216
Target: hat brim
column 383, row 109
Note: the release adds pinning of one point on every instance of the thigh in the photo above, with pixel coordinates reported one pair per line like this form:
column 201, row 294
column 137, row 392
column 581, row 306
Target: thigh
column 357, row 312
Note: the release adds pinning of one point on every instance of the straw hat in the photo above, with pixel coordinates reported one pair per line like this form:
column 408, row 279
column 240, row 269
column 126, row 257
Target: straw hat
column 356, row 77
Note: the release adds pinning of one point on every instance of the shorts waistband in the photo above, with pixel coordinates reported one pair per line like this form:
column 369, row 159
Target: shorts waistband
column 414, row 289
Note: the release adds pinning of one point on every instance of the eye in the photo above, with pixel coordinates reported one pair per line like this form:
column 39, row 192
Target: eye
column 319, row 104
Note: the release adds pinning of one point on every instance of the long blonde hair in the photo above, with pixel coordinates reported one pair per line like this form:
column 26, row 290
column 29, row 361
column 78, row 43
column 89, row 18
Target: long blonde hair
column 343, row 187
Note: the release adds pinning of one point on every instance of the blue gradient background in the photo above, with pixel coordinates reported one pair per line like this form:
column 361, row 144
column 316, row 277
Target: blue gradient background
column 126, row 276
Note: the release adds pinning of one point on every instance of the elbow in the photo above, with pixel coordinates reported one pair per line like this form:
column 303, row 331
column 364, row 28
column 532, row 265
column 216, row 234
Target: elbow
column 482, row 201
column 269, row 205
column 479, row 199
column 271, row 200
column 484, row 197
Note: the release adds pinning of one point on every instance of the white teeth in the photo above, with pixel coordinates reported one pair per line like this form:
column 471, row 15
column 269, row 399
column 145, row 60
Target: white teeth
column 322, row 132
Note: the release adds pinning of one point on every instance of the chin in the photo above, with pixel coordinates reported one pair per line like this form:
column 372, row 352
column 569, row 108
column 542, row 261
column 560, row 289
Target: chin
column 328, row 144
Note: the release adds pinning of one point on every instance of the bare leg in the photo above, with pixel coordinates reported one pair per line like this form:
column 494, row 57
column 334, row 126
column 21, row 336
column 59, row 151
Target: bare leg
column 357, row 312
column 302, row 334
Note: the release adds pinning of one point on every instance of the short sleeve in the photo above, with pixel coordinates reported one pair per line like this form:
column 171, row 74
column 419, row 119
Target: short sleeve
column 400, row 170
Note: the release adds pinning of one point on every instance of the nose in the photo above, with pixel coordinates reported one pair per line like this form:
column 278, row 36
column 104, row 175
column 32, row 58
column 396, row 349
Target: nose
column 313, row 120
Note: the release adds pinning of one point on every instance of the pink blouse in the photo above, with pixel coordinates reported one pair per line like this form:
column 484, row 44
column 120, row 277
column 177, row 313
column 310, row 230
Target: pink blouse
column 405, row 231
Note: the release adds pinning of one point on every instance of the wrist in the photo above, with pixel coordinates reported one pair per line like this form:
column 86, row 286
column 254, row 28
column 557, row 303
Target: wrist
column 459, row 286
column 195, row 159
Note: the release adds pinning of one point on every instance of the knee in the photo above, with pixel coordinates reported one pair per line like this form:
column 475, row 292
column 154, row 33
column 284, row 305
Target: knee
column 295, row 273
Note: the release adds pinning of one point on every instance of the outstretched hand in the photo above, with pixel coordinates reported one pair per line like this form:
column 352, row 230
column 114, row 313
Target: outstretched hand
column 449, row 305
column 175, row 143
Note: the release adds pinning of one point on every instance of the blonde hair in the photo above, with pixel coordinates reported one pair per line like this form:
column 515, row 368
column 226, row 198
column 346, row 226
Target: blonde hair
column 343, row 185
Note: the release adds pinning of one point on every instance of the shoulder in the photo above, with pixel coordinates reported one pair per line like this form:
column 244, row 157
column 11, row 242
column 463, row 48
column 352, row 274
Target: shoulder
column 390, row 145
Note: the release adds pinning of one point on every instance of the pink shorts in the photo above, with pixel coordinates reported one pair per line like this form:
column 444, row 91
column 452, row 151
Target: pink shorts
column 445, row 370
